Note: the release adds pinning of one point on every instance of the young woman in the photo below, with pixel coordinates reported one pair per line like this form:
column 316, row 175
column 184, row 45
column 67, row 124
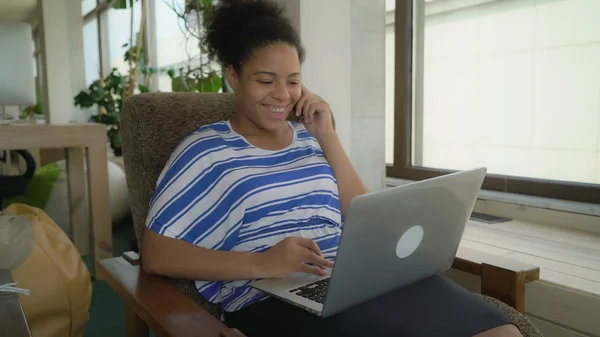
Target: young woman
column 260, row 196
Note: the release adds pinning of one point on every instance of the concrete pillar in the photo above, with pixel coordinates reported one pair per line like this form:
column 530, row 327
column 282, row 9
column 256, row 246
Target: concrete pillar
column 76, row 56
column 345, row 64
column 61, row 37
column 368, row 90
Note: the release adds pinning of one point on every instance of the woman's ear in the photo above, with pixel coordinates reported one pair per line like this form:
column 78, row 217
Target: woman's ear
column 232, row 77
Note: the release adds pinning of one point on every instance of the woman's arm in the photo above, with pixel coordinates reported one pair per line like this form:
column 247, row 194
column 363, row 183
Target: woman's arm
column 166, row 256
column 318, row 121
column 163, row 255
column 349, row 182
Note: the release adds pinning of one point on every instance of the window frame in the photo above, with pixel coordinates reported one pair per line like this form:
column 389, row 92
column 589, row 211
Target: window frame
column 403, row 167
column 100, row 14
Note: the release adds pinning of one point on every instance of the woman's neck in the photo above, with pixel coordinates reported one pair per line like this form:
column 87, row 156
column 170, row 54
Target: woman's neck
column 260, row 137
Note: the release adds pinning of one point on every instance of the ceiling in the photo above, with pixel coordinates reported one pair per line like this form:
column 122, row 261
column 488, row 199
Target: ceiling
column 17, row 10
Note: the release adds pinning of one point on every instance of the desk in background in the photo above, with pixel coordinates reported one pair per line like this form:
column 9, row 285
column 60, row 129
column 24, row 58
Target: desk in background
column 90, row 214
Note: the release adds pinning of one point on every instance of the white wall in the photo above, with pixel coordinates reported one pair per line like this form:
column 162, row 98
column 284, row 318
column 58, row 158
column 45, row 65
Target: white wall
column 344, row 43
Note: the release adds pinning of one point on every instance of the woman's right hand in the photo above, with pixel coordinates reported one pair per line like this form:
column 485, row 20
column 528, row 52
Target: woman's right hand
column 292, row 255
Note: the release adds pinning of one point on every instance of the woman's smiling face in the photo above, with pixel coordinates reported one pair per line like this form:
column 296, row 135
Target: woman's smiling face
column 268, row 86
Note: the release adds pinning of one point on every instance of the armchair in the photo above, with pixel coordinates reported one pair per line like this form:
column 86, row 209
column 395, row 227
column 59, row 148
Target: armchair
column 152, row 126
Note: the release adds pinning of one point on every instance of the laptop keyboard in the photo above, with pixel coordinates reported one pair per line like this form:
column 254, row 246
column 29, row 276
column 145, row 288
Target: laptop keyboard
column 315, row 291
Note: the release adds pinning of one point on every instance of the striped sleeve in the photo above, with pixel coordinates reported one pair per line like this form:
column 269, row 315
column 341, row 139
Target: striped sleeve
column 187, row 191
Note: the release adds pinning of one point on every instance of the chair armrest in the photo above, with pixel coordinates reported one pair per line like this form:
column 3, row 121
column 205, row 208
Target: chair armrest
column 501, row 277
column 154, row 302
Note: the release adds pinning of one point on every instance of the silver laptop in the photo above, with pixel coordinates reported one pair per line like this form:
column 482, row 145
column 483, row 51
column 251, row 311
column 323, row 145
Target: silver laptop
column 390, row 239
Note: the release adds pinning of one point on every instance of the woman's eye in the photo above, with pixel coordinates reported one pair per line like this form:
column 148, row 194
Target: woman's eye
column 294, row 83
column 265, row 82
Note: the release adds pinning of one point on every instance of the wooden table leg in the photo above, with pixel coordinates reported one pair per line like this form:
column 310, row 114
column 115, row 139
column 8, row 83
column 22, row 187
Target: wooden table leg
column 136, row 327
column 78, row 205
column 99, row 204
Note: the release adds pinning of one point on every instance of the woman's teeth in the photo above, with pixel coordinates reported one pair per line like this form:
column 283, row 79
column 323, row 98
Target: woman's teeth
column 274, row 109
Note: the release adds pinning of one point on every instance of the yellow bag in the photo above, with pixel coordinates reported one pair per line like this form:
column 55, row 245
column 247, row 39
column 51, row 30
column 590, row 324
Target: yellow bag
column 58, row 280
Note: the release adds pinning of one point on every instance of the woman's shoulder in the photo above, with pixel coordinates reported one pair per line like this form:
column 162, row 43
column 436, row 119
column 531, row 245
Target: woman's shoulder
column 216, row 128
column 302, row 135
column 300, row 129
column 205, row 137
column 207, row 132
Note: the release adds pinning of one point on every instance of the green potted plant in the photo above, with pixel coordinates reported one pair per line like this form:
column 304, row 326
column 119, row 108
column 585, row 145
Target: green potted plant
column 198, row 73
column 107, row 94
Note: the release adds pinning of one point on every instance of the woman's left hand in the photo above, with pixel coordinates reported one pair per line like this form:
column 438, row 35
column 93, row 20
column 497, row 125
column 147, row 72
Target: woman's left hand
column 316, row 114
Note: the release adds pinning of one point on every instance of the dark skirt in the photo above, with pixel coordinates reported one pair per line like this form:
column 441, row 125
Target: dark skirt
column 431, row 307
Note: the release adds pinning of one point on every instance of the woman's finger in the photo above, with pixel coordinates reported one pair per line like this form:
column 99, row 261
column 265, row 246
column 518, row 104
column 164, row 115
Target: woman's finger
column 300, row 104
column 310, row 244
column 303, row 267
column 311, row 111
column 307, row 107
column 319, row 261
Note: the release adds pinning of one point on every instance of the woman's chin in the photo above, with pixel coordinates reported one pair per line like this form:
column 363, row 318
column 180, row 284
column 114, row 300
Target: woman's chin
column 274, row 124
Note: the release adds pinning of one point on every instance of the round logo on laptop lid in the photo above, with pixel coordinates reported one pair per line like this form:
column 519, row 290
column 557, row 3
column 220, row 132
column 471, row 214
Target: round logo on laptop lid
column 409, row 241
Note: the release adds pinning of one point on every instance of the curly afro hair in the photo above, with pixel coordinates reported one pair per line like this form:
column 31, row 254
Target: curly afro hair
column 238, row 27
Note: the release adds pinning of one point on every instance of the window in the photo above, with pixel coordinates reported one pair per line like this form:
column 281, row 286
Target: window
column 119, row 34
column 95, row 52
column 87, row 6
column 174, row 44
column 497, row 84
column 178, row 29
column 91, row 51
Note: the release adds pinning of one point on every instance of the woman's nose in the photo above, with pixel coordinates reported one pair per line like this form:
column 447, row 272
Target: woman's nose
column 281, row 92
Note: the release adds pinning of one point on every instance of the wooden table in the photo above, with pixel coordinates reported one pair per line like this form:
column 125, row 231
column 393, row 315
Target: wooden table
column 13, row 322
column 90, row 214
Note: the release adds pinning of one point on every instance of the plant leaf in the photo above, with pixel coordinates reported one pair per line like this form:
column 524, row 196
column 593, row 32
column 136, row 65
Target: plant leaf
column 217, row 83
column 119, row 4
column 210, row 83
column 84, row 100
column 177, row 84
column 171, row 73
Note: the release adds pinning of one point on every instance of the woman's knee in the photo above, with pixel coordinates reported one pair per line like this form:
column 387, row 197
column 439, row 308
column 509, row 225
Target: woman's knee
column 507, row 330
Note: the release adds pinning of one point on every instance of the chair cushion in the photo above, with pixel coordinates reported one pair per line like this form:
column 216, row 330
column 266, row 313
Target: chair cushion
column 527, row 328
column 188, row 288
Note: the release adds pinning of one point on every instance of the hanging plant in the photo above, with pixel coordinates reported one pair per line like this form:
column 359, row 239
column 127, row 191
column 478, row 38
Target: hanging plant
column 198, row 74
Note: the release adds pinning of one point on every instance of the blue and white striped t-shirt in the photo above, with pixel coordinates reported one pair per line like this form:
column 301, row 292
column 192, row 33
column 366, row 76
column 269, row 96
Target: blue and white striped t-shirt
column 220, row 192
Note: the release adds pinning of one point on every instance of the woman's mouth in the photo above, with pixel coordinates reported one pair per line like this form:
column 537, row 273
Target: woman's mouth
column 276, row 112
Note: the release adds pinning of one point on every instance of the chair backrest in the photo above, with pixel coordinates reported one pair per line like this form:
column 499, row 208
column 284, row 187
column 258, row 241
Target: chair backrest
column 152, row 125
